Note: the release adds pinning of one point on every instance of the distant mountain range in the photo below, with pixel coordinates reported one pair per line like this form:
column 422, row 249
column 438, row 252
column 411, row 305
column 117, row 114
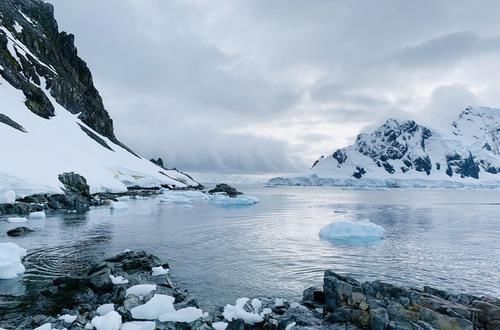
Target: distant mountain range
column 405, row 153
column 52, row 118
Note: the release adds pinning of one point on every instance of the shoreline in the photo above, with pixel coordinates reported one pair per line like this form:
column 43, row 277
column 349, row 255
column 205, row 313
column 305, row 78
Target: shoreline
column 342, row 303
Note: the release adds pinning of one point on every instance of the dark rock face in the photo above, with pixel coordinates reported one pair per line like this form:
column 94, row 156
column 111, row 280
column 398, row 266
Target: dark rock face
column 379, row 305
column 76, row 194
column 7, row 121
column 57, row 61
column 340, row 156
column 465, row 167
column 158, row 162
column 359, row 172
column 20, row 208
column 225, row 188
column 19, row 231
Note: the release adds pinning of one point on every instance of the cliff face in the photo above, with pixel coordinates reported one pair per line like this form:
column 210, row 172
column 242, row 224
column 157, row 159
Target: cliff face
column 52, row 118
column 32, row 49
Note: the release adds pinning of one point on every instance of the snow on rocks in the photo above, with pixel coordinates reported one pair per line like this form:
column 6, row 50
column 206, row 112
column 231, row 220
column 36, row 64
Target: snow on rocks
column 10, row 260
column 37, row 215
column 117, row 280
column 109, row 321
column 239, row 311
column 159, row 271
column 141, row 290
column 8, row 197
column 349, row 229
column 16, row 219
column 105, row 309
column 119, row 205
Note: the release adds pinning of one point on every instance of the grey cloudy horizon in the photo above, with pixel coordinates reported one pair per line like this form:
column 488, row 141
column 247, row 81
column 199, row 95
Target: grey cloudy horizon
column 269, row 86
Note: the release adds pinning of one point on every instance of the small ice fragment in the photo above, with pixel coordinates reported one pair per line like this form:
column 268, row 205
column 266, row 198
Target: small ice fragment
column 279, row 302
column 140, row 290
column 105, row 309
column 117, row 280
column 16, row 219
column 188, row 315
column 159, row 271
column 158, row 305
column 267, row 311
column 219, row 325
column 46, row 326
column 294, row 305
column 119, row 205
column 68, row 318
column 110, row 321
column 37, row 215
column 346, row 229
column 290, row 326
column 139, row 325
column 238, row 312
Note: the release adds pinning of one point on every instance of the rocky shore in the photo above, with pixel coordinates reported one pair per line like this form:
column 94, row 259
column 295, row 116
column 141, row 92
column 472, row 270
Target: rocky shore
column 133, row 290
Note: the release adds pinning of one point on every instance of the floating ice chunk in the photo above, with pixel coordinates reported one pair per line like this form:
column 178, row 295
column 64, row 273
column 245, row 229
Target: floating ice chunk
column 219, row 325
column 16, row 219
column 68, row 318
column 8, row 197
column 346, row 229
column 37, row 215
column 279, row 302
column 290, row 326
column 159, row 271
column 238, row 312
column 183, row 197
column 46, row 326
column 222, row 199
column 110, row 321
column 117, row 280
column 188, row 315
column 140, row 290
column 10, row 260
column 159, row 305
column 267, row 311
column 119, row 205
column 105, row 309
column 139, row 325
column 294, row 305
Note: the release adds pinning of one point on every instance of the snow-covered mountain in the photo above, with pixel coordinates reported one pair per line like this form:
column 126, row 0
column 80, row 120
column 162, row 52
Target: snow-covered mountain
column 404, row 153
column 52, row 118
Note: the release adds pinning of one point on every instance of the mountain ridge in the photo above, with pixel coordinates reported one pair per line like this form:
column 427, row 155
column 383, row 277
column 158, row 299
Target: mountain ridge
column 403, row 150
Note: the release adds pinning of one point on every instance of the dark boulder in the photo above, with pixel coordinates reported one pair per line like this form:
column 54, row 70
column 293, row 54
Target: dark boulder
column 75, row 183
column 225, row 188
column 19, row 231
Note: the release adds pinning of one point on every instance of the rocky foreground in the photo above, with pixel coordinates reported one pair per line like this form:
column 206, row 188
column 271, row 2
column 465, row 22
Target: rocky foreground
column 133, row 290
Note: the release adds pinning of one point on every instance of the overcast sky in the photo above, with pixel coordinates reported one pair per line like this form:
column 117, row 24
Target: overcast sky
column 260, row 85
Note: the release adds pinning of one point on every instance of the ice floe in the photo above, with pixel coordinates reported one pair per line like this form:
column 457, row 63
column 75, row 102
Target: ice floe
column 10, row 260
column 346, row 229
column 16, row 219
column 37, row 215
column 224, row 200
column 139, row 325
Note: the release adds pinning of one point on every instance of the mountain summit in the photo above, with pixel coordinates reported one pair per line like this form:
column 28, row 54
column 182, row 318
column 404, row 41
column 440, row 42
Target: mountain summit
column 52, row 118
column 405, row 153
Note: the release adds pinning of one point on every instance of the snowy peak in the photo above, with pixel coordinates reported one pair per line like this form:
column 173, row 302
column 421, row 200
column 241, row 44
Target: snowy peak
column 405, row 150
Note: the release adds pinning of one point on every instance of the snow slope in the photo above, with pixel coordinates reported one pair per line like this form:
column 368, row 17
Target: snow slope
column 35, row 150
column 406, row 154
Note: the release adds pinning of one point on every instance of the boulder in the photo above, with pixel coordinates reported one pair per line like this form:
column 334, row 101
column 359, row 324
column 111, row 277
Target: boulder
column 225, row 188
column 19, row 231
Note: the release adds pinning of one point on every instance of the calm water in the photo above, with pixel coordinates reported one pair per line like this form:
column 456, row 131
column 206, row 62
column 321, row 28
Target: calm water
column 448, row 239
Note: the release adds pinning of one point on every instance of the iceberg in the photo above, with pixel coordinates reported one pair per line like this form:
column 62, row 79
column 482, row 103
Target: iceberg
column 349, row 229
